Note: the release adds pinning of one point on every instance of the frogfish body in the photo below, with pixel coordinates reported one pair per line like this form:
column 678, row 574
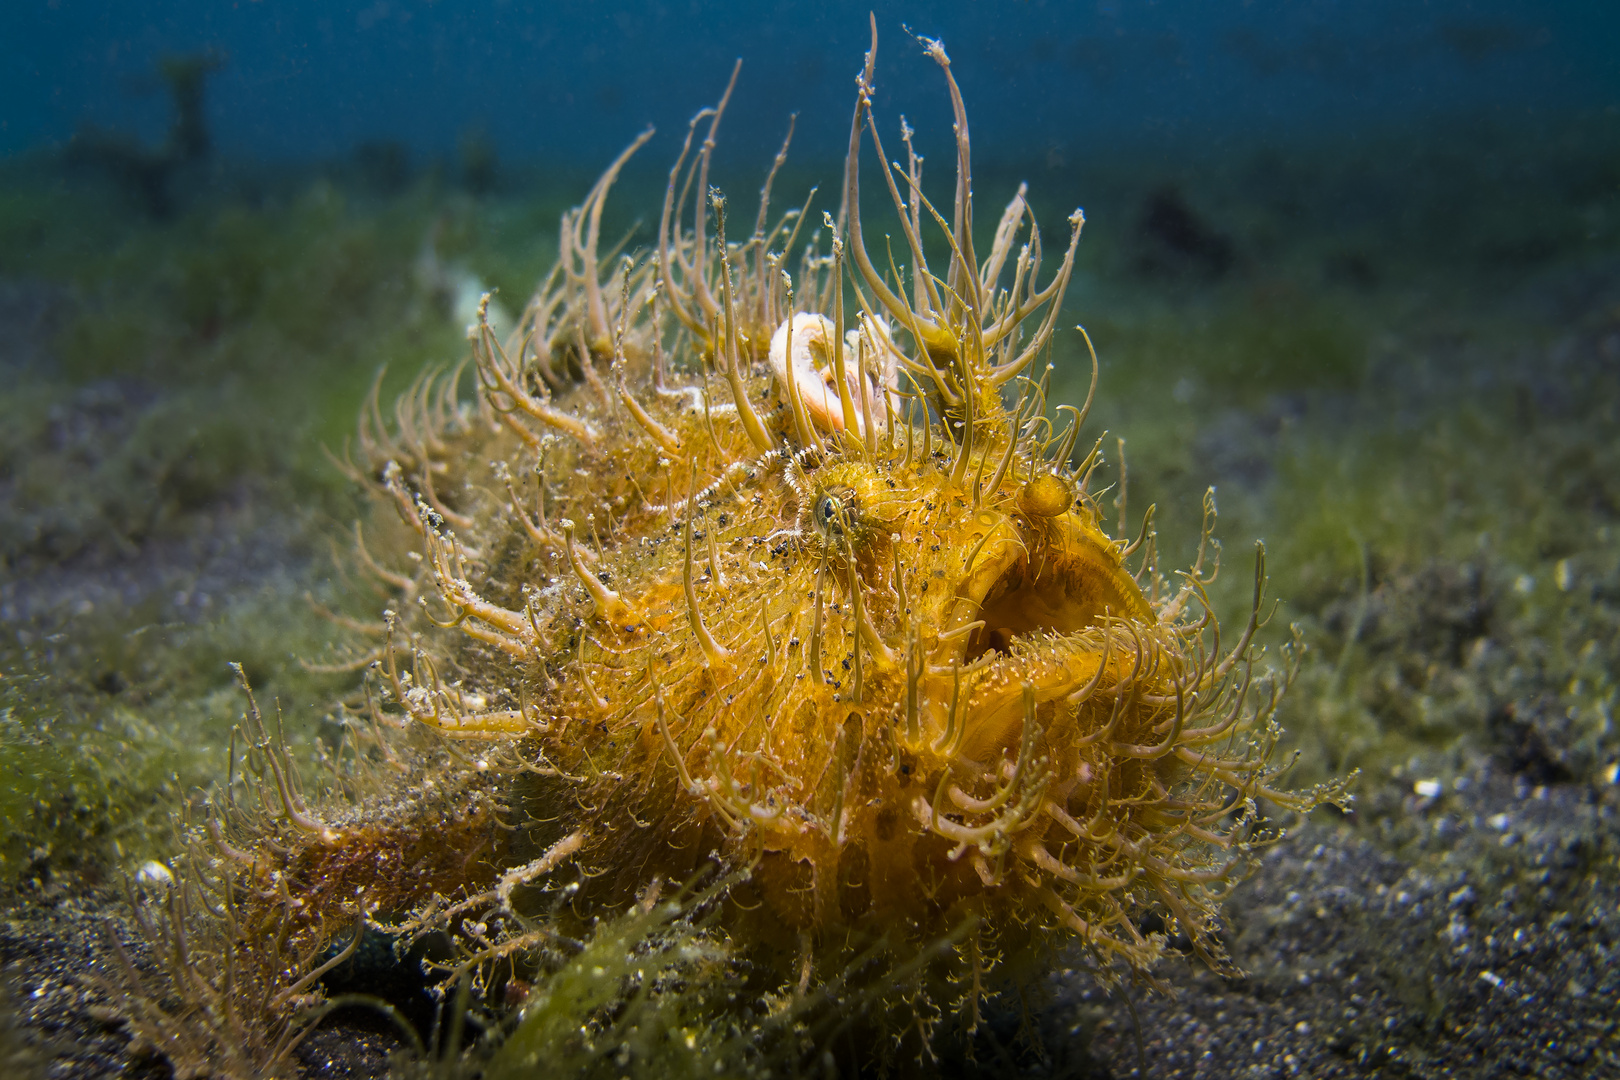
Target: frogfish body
column 755, row 552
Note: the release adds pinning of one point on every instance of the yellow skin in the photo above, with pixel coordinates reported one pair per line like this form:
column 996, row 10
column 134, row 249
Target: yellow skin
column 884, row 653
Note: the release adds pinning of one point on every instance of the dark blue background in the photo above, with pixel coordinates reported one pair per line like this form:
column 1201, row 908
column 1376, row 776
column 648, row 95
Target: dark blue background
column 572, row 80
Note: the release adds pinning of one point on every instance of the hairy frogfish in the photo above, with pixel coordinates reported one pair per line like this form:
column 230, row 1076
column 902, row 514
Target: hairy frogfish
column 764, row 551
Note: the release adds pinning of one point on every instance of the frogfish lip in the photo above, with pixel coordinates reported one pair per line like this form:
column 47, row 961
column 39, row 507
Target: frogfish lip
column 1045, row 590
column 1057, row 583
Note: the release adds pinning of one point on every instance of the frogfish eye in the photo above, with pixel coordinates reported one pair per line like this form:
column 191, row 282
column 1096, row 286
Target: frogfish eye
column 833, row 512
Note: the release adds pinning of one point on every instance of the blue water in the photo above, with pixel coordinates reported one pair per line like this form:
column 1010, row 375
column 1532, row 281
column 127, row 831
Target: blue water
column 573, row 81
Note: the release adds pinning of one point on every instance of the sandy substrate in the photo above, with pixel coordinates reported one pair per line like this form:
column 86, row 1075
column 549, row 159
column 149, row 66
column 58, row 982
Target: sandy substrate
column 1486, row 948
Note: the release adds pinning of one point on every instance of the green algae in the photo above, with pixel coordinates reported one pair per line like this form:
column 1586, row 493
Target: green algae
column 196, row 368
column 111, row 722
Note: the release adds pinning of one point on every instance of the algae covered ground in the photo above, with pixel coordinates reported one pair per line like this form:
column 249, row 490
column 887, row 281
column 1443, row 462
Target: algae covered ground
column 1397, row 362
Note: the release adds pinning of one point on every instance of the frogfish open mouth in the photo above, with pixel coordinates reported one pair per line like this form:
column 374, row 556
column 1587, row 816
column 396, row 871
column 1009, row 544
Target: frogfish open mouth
column 766, row 548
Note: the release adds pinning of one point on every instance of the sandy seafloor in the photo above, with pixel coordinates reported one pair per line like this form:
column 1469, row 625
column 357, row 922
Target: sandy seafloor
column 1399, row 365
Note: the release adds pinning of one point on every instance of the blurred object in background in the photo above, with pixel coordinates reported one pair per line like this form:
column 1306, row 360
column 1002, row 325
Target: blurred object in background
column 479, row 160
column 1173, row 241
column 383, row 166
column 150, row 175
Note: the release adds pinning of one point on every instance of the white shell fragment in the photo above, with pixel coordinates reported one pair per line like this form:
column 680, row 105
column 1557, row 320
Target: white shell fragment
column 868, row 351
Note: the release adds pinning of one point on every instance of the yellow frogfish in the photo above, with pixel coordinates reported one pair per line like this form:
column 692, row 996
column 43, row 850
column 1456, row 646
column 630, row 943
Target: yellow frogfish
column 765, row 549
